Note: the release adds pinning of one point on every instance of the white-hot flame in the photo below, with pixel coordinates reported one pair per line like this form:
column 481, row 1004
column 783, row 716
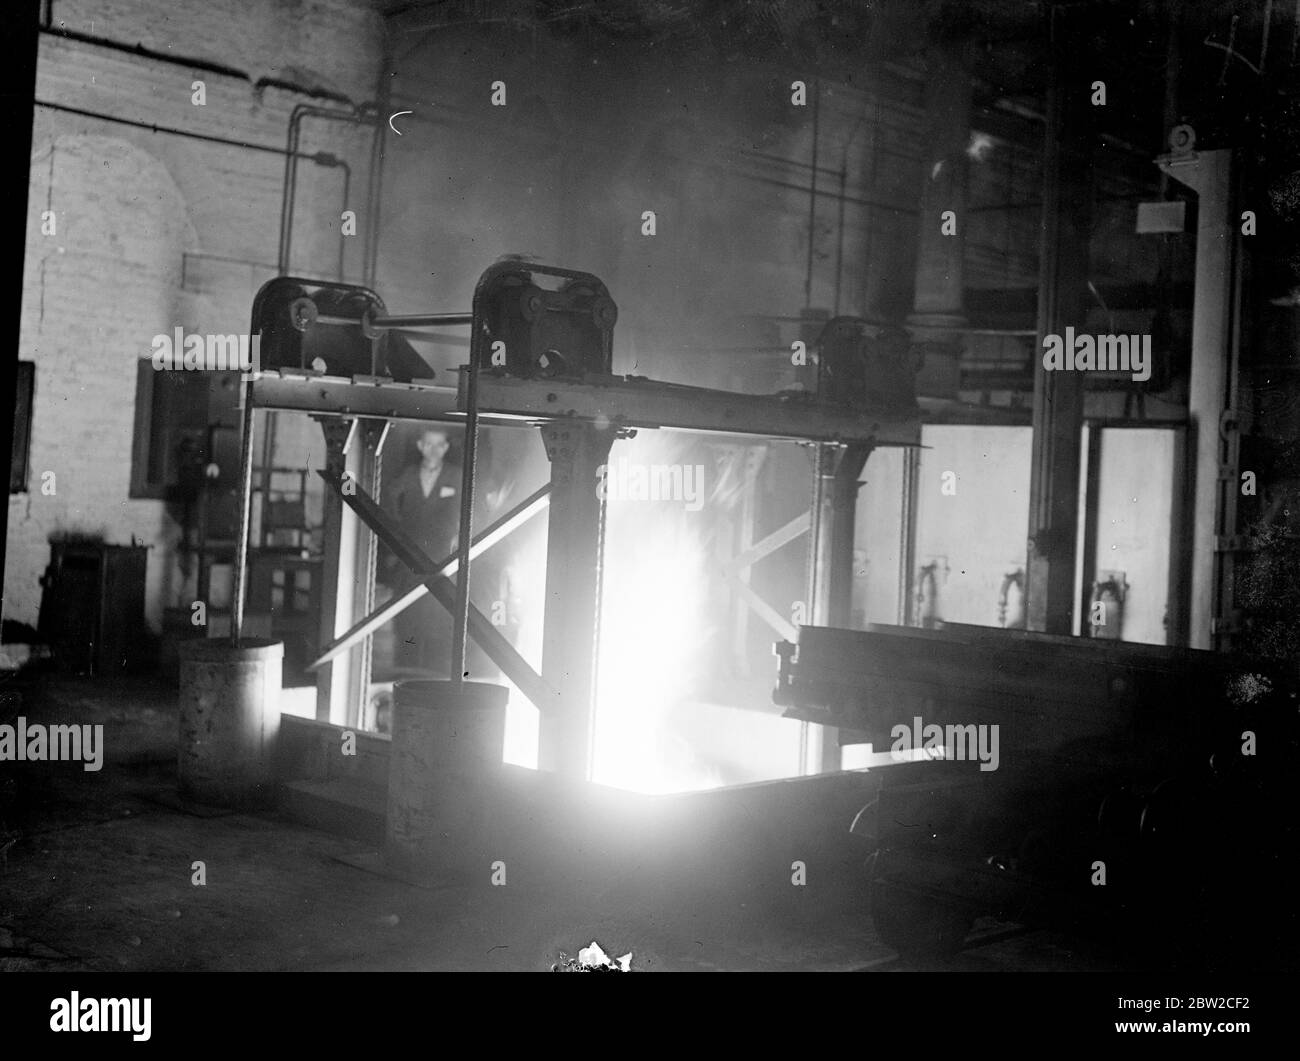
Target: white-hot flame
column 651, row 648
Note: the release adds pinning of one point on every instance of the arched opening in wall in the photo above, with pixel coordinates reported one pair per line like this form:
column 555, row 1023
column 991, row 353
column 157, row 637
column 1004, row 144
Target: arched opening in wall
column 100, row 206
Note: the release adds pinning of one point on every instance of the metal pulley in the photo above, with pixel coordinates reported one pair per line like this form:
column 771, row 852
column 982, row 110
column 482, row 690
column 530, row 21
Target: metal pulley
column 302, row 313
column 336, row 328
column 534, row 331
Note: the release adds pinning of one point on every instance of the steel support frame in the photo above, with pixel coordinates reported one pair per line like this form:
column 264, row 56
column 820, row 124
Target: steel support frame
column 448, row 566
column 443, row 590
column 579, row 423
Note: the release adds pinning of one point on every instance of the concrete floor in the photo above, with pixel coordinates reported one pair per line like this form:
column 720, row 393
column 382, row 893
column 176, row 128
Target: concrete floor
column 99, row 877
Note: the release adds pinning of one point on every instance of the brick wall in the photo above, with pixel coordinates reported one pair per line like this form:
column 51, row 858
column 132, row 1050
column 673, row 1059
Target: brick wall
column 158, row 229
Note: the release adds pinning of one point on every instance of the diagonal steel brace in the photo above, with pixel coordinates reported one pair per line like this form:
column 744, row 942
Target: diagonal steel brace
column 732, row 570
column 768, row 545
column 443, row 590
column 483, row 541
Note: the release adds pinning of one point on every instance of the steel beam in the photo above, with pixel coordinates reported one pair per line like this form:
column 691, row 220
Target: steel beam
column 370, row 396
column 608, row 401
column 620, row 402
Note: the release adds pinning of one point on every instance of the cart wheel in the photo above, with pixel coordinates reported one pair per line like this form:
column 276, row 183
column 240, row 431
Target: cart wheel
column 919, row 928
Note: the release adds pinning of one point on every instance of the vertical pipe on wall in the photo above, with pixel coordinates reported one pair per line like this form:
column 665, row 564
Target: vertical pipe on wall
column 1062, row 301
column 374, row 183
column 839, row 242
column 812, row 197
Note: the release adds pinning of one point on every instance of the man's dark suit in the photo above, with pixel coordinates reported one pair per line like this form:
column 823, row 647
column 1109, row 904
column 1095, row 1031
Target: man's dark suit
column 423, row 631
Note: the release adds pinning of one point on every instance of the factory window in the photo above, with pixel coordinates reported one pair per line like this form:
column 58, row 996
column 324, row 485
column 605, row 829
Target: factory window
column 1131, row 555
column 972, row 505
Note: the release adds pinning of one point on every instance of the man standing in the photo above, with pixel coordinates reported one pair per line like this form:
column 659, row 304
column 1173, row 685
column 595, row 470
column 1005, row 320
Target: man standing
column 425, row 500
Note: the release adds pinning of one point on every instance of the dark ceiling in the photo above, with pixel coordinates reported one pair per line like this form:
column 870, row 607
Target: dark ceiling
column 1227, row 67
column 1222, row 45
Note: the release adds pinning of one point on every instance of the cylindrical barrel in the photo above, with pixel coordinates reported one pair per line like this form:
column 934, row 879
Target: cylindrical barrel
column 446, row 755
column 177, row 626
column 229, row 720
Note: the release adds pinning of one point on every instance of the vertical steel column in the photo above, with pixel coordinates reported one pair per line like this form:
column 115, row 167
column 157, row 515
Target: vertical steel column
column 574, row 558
column 1212, row 386
column 1062, row 301
column 338, row 575
column 907, row 538
column 843, row 533
column 838, row 531
column 245, row 519
column 812, row 741
column 376, row 432
column 468, row 485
